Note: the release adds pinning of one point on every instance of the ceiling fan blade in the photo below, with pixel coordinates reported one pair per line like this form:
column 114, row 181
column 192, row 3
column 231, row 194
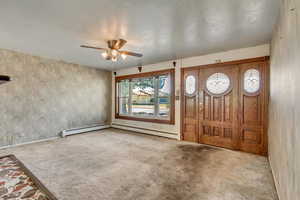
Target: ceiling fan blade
column 90, row 47
column 120, row 43
column 112, row 43
column 131, row 53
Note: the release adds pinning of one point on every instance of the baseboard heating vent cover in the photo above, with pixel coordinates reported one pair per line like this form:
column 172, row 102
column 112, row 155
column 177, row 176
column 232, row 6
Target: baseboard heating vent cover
column 85, row 129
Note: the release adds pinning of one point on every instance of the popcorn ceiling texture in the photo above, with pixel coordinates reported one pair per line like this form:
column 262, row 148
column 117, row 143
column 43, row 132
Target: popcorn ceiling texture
column 48, row 96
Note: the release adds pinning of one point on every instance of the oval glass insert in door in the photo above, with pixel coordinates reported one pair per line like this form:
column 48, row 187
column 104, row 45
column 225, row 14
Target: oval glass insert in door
column 190, row 85
column 218, row 83
column 252, row 81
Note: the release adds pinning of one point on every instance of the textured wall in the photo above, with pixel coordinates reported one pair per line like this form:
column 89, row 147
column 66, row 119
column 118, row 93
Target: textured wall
column 47, row 96
column 284, row 125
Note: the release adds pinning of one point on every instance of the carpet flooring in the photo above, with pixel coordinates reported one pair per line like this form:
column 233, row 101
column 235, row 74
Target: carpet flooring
column 113, row 164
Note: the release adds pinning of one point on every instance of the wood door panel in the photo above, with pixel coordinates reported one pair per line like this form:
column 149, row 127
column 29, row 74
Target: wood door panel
column 190, row 109
column 190, row 131
column 217, row 131
column 219, row 110
column 228, row 108
column 207, row 106
column 206, row 130
column 216, row 141
column 251, row 136
column 251, row 109
column 227, row 133
column 217, row 124
column 235, row 119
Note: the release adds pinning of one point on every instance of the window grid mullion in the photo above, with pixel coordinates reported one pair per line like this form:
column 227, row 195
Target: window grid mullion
column 130, row 97
column 156, row 100
column 118, row 96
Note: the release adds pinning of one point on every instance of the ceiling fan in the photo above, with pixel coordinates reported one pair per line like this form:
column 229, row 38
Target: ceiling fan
column 113, row 51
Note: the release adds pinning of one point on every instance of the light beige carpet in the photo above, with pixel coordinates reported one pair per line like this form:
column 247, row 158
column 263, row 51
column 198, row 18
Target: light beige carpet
column 114, row 164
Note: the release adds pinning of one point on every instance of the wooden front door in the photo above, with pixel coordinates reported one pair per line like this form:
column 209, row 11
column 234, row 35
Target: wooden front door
column 253, row 107
column 218, row 106
column 225, row 105
column 190, row 106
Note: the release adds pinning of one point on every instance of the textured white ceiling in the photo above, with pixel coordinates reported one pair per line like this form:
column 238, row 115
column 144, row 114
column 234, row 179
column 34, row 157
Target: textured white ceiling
column 160, row 29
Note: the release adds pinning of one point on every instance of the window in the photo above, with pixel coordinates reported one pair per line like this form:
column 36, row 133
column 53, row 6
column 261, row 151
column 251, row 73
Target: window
column 218, row 83
column 146, row 97
column 190, row 85
column 251, row 80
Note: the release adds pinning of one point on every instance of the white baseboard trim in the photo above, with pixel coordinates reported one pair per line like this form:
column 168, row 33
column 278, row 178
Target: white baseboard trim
column 32, row 142
column 145, row 131
column 84, row 129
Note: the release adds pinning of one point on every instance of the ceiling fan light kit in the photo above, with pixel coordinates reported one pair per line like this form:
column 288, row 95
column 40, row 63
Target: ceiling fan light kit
column 113, row 52
column 124, row 56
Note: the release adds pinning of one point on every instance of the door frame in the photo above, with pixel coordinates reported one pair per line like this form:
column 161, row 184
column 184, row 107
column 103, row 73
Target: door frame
column 224, row 64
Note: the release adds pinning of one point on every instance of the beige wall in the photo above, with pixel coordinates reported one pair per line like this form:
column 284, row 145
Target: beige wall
column 173, row 131
column 284, row 115
column 47, row 96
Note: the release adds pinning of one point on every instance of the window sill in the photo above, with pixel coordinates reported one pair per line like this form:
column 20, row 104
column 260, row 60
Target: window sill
column 152, row 120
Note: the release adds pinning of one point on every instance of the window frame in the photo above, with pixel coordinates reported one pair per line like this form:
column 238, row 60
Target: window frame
column 171, row 119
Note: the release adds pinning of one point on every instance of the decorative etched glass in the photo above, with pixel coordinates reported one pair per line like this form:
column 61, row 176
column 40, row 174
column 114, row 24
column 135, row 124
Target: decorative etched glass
column 251, row 80
column 190, row 84
column 218, row 83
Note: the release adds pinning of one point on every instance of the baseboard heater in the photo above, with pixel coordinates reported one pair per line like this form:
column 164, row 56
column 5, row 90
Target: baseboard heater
column 146, row 131
column 85, row 129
